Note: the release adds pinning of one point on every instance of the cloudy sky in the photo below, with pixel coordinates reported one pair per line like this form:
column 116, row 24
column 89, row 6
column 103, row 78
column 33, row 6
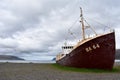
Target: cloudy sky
column 36, row 29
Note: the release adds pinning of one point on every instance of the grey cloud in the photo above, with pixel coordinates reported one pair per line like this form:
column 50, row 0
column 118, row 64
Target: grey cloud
column 23, row 14
column 39, row 27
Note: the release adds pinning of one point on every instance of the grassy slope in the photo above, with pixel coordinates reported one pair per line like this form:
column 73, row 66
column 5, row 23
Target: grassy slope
column 116, row 69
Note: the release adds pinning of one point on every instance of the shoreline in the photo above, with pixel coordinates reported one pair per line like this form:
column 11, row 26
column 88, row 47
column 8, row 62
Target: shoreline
column 26, row 61
column 36, row 61
column 45, row 71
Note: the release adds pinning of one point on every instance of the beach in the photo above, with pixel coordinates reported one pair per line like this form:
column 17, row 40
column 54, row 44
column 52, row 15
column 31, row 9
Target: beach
column 46, row 71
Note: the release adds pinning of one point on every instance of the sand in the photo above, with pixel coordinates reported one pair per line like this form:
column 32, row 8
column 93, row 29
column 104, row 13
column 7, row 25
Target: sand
column 30, row 71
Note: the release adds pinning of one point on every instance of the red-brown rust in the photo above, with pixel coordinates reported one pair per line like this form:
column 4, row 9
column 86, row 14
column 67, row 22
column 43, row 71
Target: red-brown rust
column 97, row 53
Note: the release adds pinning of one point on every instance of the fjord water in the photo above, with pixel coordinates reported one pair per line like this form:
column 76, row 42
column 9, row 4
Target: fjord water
column 27, row 61
column 33, row 61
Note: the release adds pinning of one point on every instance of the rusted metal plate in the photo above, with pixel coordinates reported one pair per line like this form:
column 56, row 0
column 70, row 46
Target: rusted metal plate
column 97, row 53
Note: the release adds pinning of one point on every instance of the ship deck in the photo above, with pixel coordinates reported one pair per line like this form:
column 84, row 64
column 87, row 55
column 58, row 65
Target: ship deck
column 88, row 39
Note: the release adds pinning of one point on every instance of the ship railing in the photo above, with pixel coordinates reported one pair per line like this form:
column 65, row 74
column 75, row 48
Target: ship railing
column 60, row 56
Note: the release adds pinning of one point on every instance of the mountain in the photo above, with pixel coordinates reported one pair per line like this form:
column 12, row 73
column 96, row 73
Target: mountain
column 9, row 57
column 117, row 56
column 53, row 59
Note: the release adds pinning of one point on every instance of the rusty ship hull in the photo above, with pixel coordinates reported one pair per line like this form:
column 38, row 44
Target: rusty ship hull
column 98, row 52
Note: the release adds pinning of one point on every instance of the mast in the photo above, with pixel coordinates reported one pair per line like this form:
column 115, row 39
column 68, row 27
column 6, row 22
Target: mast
column 82, row 23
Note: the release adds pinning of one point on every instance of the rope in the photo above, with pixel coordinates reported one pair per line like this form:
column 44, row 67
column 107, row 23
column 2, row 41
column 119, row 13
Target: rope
column 74, row 23
column 100, row 23
column 91, row 27
column 70, row 32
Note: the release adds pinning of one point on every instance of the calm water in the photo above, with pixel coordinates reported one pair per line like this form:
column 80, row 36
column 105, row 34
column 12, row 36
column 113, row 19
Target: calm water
column 33, row 61
column 27, row 61
column 117, row 60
